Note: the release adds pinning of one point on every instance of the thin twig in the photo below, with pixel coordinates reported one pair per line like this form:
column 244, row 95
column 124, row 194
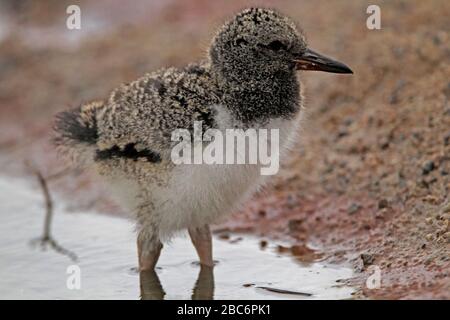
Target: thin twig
column 46, row 239
column 48, row 205
column 305, row 294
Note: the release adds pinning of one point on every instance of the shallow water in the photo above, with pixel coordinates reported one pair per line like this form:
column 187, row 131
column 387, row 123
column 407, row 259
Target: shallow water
column 105, row 247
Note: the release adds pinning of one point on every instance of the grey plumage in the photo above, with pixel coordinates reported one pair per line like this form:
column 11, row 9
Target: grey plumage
column 248, row 79
column 252, row 62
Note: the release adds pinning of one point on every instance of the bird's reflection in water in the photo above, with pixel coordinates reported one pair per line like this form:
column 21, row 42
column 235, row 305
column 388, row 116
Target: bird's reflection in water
column 151, row 288
column 204, row 287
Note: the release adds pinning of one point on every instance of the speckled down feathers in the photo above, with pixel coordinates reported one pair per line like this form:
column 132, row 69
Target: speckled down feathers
column 245, row 82
column 146, row 111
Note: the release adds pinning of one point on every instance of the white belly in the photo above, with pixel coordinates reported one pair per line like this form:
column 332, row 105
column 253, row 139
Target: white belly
column 197, row 194
column 200, row 194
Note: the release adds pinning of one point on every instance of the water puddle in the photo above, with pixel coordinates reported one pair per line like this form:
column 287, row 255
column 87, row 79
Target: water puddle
column 106, row 257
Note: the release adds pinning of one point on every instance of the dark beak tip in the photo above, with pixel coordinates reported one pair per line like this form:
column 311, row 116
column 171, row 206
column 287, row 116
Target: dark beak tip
column 338, row 67
column 311, row 60
column 348, row 71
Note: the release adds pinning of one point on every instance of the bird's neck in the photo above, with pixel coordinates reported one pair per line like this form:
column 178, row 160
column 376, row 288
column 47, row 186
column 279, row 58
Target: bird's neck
column 259, row 99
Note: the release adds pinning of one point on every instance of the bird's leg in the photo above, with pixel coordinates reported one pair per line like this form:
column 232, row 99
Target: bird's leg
column 149, row 249
column 202, row 240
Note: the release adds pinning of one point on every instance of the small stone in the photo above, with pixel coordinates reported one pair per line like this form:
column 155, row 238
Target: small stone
column 428, row 167
column 429, row 237
column 367, row 259
column 383, row 203
column 263, row 244
column 429, row 220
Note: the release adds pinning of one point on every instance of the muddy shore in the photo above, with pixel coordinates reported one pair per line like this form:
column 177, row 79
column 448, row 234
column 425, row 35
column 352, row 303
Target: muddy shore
column 366, row 184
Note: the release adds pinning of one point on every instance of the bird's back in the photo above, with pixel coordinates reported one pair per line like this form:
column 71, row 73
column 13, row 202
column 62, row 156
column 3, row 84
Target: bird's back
column 137, row 119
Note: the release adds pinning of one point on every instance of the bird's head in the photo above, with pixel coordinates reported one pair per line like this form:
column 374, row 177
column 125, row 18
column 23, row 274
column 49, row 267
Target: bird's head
column 259, row 43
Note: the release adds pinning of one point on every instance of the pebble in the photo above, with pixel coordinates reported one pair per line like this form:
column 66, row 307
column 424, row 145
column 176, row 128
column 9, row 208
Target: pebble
column 367, row 259
column 428, row 167
column 263, row 244
column 383, row 203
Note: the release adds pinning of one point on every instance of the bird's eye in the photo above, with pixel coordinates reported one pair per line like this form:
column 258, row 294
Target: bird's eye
column 276, row 45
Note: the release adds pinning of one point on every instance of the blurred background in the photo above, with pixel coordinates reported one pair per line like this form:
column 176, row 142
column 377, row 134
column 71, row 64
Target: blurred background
column 369, row 180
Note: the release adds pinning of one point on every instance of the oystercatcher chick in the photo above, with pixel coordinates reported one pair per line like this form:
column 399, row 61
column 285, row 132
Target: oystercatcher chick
column 248, row 79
